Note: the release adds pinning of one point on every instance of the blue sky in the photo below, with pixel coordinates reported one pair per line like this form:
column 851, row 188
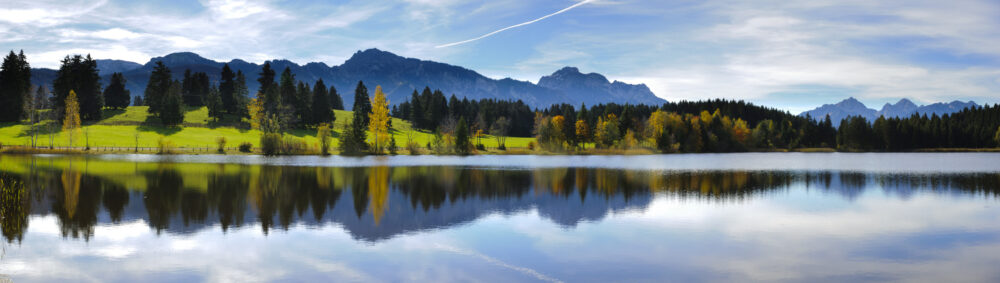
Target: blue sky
column 793, row 55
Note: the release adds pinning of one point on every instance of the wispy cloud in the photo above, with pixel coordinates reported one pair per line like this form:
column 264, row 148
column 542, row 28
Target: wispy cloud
column 581, row 3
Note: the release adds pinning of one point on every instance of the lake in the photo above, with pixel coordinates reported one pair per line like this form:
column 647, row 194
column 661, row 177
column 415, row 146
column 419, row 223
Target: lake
column 691, row 218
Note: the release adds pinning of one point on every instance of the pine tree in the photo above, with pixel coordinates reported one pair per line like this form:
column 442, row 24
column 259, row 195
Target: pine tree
column 172, row 112
column 416, row 116
column 362, row 103
column 265, row 78
column 227, row 89
column 160, row 81
column 353, row 136
column 336, row 102
column 215, row 105
column 289, row 96
column 15, row 85
column 462, row 144
column 240, row 97
column 303, row 109
column 379, row 120
column 79, row 74
column 322, row 113
column 116, row 95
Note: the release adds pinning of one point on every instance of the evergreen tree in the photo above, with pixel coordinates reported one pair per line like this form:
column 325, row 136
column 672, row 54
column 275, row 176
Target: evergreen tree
column 194, row 88
column 289, row 96
column 416, row 112
column 266, row 78
column 436, row 110
column 116, row 95
column 336, row 102
column 462, row 144
column 15, row 83
column 268, row 92
column 137, row 101
column 362, row 103
column 227, row 89
column 353, row 136
column 215, row 105
column 79, row 74
column 159, row 85
column 303, row 97
column 172, row 112
column 42, row 98
column 240, row 97
column 322, row 112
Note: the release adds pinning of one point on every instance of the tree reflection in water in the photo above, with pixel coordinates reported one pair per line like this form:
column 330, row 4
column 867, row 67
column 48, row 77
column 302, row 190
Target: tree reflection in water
column 385, row 201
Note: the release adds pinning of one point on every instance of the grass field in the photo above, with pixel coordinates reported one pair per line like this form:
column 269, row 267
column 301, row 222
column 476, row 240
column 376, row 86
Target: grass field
column 119, row 128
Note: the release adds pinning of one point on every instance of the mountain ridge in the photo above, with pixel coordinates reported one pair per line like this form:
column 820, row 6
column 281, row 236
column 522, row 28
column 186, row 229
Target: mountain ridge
column 399, row 76
column 903, row 108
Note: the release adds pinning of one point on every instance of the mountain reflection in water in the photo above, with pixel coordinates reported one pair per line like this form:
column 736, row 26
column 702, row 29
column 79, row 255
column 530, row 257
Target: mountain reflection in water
column 377, row 203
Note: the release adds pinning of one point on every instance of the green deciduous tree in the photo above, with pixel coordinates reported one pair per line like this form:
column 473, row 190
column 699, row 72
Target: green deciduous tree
column 71, row 120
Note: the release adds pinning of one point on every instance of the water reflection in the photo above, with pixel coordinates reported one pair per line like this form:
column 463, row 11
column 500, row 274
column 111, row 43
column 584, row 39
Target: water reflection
column 377, row 203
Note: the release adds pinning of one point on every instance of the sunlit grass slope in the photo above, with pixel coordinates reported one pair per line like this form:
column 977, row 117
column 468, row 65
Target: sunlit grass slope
column 120, row 127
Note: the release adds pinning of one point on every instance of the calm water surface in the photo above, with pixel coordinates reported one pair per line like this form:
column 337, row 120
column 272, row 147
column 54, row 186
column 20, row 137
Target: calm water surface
column 688, row 218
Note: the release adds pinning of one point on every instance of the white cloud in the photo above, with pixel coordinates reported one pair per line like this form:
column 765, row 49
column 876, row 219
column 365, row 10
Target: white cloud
column 46, row 12
column 234, row 9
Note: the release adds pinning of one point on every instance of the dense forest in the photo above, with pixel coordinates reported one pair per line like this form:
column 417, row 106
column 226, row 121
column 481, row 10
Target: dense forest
column 284, row 103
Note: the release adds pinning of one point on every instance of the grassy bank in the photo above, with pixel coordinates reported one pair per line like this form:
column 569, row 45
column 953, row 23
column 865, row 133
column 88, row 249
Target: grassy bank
column 120, row 128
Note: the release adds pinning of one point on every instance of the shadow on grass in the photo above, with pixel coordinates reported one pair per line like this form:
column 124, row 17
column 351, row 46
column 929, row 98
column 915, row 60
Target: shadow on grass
column 110, row 113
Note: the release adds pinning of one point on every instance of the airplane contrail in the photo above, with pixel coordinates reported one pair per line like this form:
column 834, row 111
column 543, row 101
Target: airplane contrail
column 517, row 25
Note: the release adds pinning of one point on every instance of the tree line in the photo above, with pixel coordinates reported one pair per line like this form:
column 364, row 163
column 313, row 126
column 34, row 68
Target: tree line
column 284, row 103
column 974, row 127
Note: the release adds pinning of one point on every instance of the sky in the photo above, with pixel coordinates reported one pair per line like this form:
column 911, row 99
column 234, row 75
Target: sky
column 793, row 55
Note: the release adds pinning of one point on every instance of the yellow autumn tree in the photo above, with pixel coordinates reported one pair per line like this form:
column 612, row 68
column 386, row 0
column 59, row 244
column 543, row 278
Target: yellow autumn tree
column 71, row 123
column 741, row 132
column 256, row 110
column 582, row 131
column 379, row 117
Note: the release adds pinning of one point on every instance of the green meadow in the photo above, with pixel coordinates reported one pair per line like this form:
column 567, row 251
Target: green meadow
column 120, row 128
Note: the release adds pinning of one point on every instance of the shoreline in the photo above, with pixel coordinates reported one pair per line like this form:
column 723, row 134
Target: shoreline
column 21, row 150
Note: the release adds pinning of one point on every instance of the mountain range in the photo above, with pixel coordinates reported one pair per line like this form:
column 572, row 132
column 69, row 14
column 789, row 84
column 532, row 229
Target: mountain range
column 398, row 76
column 904, row 108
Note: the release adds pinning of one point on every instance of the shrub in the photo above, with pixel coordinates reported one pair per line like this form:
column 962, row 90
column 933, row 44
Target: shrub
column 165, row 146
column 502, row 147
column 414, row 148
column 246, row 147
column 323, row 133
column 291, row 145
column 221, row 141
column 393, row 149
column 531, row 145
column 270, row 143
column 480, row 147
